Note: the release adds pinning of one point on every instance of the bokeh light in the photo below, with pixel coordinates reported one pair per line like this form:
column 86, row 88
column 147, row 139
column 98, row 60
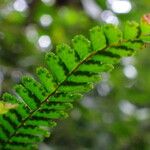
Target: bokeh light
column 130, row 71
column 44, row 41
column 46, row 20
column 120, row 6
column 20, row 5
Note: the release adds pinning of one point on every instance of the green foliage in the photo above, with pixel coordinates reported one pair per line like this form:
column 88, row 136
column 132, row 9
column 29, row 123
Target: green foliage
column 70, row 73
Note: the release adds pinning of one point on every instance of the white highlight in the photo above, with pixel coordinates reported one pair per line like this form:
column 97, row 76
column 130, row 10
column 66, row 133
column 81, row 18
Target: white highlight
column 92, row 9
column 44, row 41
column 108, row 17
column 121, row 6
column 143, row 114
column 49, row 2
column 103, row 89
column 46, row 20
column 127, row 108
column 20, row 5
column 128, row 61
column 95, row 12
column 130, row 72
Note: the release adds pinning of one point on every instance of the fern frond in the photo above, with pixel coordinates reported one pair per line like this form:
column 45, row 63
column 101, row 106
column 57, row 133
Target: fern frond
column 70, row 72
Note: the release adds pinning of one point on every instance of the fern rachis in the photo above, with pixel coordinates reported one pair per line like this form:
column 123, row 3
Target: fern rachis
column 70, row 73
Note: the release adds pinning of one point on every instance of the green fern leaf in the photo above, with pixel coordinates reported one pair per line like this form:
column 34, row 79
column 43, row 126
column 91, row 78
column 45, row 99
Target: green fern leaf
column 70, row 73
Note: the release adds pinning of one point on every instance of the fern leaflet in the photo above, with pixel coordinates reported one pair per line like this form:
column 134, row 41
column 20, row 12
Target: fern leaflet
column 70, row 73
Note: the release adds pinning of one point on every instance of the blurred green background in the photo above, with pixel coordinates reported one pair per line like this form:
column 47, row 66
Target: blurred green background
column 115, row 115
